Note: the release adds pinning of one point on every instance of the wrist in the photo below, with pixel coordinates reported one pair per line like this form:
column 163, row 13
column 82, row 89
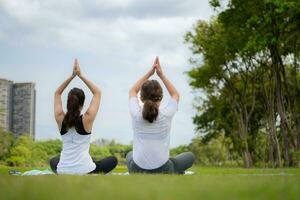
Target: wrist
column 149, row 74
column 162, row 77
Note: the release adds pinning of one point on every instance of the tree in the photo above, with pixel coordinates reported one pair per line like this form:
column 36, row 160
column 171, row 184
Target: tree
column 245, row 53
column 225, row 72
column 21, row 151
column 6, row 142
column 272, row 26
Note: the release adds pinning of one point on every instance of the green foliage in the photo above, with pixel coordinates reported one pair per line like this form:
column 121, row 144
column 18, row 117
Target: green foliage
column 50, row 147
column 296, row 158
column 215, row 3
column 6, row 142
column 24, row 152
column 21, row 152
column 16, row 161
column 39, row 157
column 120, row 151
column 246, row 63
column 215, row 152
column 179, row 149
column 99, row 152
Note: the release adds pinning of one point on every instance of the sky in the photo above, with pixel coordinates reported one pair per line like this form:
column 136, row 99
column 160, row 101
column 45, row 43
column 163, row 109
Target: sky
column 116, row 42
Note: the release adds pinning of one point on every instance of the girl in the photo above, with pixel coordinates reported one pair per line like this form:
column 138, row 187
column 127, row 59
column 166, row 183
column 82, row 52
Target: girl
column 75, row 130
column 151, row 127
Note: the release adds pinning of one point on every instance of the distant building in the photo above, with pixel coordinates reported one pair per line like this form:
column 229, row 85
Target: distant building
column 6, row 104
column 23, row 115
column 17, row 107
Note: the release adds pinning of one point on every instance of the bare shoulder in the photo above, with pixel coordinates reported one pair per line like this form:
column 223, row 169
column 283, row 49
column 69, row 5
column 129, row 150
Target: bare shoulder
column 59, row 120
column 87, row 122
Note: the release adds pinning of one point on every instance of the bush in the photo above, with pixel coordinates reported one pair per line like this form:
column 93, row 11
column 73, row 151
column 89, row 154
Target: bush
column 16, row 161
column 25, row 152
column 178, row 150
column 51, row 147
column 6, row 142
column 21, row 152
column 98, row 152
column 214, row 152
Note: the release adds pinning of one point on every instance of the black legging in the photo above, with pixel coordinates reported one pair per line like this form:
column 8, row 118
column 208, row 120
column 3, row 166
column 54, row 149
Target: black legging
column 177, row 164
column 102, row 166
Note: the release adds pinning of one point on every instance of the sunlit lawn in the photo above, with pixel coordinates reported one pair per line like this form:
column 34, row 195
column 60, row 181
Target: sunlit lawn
column 206, row 183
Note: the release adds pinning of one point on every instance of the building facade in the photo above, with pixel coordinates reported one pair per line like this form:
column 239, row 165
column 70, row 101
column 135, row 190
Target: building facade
column 18, row 102
column 6, row 104
column 23, row 115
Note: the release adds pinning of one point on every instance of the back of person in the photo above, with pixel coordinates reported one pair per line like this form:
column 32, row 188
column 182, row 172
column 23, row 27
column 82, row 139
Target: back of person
column 75, row 130
column 151, row 141
column 152, row 125
column 75, row 157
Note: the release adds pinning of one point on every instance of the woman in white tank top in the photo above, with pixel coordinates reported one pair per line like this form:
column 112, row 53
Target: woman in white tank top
column 152, row 125
column 75, row 130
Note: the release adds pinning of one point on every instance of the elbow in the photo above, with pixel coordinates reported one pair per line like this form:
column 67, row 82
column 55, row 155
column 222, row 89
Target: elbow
column 176, row 96
column 57, row 93
column 97, row 91
column 132, row 92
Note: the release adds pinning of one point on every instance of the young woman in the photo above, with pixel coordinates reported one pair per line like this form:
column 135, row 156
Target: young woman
column 75, row 130
column 151, row 127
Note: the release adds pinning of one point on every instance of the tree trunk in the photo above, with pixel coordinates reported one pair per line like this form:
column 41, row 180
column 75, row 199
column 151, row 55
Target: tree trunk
column 274, row 144
column 271, row 160
column 276, row 60
column 269, row 97
column 283, row 127
column 247, row 155
column 247, row 159
column 298, row 135
column 272, row 130
column 295, row 109
column 243, row 131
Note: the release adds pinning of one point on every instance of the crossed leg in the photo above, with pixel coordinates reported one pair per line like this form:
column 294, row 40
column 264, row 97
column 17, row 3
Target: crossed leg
column 104, row 165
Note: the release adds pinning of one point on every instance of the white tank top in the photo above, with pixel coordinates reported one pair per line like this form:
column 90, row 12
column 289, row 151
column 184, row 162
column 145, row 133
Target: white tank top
column 75, row 157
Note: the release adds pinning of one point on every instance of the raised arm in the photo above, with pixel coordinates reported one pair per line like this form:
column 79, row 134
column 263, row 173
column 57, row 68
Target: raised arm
column 90, row 114
column 170, row 87
column 137, row 86
column 58, row 108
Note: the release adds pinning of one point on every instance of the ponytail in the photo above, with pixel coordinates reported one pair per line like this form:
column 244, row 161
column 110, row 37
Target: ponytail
column 150, row 110
column 151, row 95
column 75, row 102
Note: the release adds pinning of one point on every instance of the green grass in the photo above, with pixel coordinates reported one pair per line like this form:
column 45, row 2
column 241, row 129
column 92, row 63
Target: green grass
column 207, row 183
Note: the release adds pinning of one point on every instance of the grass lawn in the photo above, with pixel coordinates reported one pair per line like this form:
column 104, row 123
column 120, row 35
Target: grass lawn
column 207, row 183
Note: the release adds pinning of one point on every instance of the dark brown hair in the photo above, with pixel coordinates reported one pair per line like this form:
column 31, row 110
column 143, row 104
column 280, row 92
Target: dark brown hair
column 76, row 99
column 151, row 94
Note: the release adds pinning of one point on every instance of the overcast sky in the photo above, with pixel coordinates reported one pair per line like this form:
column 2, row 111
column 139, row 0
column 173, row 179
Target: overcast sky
column 115, row 41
